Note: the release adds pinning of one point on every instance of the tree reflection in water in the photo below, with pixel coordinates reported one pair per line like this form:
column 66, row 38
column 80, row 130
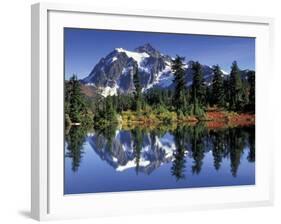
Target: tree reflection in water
column 178, row 166
column 137, row 144
column 75, row 138
column 150, row 149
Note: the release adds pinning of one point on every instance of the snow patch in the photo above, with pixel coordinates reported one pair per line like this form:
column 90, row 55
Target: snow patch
column 163, row 78
column 109, row 91
column 90, row 84
column 126, row 70
column 224, row 72
column 138, row 57
column 113, row 59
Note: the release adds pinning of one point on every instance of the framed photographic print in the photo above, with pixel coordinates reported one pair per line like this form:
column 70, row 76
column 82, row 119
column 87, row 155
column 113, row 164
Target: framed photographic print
column 148, row 111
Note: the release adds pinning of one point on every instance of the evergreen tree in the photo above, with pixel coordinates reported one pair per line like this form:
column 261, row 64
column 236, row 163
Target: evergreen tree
column 244, row 99
column 75, row 103
column 110, row 113
column 179, row 81
column 218, row 95
column 105, row 114
column 209, row 96
column 137, row 90
column 227, row 94
column 198, row 88
column 252, row 90
column 235, row 87
column 125, row 102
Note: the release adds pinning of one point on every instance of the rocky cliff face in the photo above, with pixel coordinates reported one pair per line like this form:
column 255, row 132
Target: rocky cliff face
column 113, row 74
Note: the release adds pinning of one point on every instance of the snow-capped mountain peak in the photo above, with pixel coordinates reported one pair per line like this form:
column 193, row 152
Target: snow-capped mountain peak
column 147, row 48
column 114, row 73
column 138, row 57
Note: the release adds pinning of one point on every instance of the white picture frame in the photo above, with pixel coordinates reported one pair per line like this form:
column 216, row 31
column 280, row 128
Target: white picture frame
column 47, row 199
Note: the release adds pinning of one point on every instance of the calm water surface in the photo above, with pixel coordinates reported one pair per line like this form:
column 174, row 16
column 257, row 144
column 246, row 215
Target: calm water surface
column 113, row 160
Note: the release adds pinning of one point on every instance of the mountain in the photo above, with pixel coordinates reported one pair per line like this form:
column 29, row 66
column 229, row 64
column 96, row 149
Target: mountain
column 114, row 73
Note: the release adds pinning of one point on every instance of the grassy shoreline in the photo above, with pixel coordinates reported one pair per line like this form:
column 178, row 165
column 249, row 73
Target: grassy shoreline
column 211, row 118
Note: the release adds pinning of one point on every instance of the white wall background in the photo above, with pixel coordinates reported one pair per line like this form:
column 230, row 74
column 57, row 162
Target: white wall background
column 15, row 110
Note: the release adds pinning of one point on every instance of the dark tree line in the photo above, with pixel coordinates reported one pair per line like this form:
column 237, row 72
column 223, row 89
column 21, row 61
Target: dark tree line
column 227, row 92
column 75, row 104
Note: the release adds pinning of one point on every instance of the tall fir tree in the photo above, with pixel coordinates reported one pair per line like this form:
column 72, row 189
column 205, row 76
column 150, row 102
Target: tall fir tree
column 137, row 93
column 218, row 95
column 252, row 90
column 75, row 102
column 244, row 99
column 209, row 96
column 227, row 94
column 110, row 112
column 179, row 81
column 235, row 87
column 198, row 88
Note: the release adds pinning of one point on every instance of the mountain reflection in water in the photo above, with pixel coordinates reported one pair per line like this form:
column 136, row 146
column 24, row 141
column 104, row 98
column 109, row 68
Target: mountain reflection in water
column 111, row 159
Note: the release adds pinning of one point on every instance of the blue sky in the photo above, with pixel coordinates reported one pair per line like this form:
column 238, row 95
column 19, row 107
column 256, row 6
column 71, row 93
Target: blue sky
column 85, row 47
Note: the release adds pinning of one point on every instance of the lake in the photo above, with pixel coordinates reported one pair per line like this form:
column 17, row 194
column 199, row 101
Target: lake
column 114, row 159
